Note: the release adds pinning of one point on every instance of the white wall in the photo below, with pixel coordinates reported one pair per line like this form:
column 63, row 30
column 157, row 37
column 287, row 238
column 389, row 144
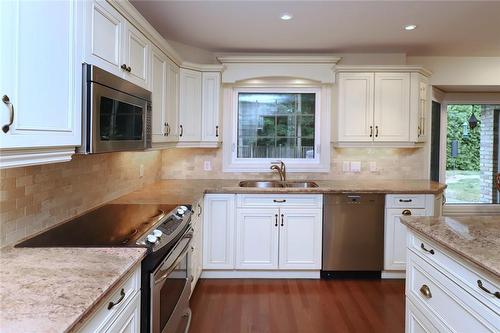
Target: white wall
column 466, row 71
column 193, row 54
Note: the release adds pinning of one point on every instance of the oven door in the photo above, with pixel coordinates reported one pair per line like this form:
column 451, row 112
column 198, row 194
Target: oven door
column 118, row 120
column 170, row 289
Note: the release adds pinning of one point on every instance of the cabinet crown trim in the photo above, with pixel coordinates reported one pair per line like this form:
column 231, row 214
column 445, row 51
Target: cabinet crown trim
column 277, row 58
column 202, row 67
column 383, row 68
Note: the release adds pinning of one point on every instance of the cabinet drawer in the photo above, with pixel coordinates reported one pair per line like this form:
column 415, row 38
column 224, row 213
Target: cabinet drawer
column 458, row 310
column 277, row 200
column 441, row 260
column 421, row 320
column 103, row 317
column 405, row 201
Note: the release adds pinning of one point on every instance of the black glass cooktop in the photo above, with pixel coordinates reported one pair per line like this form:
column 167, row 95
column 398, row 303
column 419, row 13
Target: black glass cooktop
column 108, row 225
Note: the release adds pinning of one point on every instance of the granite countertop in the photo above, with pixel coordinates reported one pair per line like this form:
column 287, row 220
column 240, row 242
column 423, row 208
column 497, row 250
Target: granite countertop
column 475, row 238
column 189, row 191
column 54, row 289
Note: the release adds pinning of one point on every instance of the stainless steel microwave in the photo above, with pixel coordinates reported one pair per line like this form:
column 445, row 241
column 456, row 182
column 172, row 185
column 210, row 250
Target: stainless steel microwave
column 116, row 113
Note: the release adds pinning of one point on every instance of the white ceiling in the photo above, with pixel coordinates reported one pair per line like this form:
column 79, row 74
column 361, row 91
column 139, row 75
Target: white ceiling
column 469, row 28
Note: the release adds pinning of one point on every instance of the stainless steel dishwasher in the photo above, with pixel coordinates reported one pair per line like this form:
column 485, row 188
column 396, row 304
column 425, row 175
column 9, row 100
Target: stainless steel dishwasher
column 353, row 235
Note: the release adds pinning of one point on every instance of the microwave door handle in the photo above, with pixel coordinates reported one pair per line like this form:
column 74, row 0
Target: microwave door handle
column 178, row 257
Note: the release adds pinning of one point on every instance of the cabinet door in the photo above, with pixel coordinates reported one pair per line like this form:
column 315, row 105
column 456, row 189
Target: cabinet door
column 136, row 56
column 172, row 116
column 210, row 106
column 129, row 320
column 190, row 105
column 257, row 238
column 419, row 107
column 392, row 107
column 218, row 231
column 159, row 94
column 395, row 237
column 196, row 254
column 41, row 73
column 103, row 36
column 300, row 238
column 355, row 115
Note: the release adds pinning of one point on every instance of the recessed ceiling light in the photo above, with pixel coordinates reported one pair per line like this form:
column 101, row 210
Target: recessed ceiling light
column 410, row 27
column 286, row 16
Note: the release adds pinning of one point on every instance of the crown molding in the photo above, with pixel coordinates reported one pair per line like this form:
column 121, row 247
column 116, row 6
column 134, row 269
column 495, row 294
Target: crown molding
column 278, row 58
column 383, row 68
column 202, row 67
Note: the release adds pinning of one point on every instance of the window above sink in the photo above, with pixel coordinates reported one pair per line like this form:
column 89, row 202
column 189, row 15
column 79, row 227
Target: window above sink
column 269, row 123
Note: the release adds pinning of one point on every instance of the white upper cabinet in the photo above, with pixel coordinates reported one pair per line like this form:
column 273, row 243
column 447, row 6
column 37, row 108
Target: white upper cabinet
column 392, row 107
column 104, row 39
column 41, row 75
column 210, row 106
column 159, row 94
column 115, row 45
column 136, row 56
column 382, row 107
column 355, row 119
column 190, row 105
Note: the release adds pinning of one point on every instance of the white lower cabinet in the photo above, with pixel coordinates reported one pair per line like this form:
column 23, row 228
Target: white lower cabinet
column 300, row 238
column 119, row 312
column 442, row 292
column 274, row 234
column 395, row 232
column 218, row 231
column 195, row 259
column 257, row 238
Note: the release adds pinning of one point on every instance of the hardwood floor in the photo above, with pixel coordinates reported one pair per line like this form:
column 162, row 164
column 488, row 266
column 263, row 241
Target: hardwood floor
column 298, row 306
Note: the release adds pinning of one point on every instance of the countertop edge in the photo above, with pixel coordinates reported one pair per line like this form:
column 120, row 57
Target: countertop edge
column 469, row 260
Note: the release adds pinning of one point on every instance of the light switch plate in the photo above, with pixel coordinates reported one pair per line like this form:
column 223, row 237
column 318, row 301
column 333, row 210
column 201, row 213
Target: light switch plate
column 141, row 170
column 346, row 166
column 355, row 166
column 207, row 165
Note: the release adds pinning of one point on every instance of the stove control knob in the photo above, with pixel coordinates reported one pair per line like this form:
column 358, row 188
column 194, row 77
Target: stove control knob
column 184, row 208
column 157, row 233
column 180, row 212
column 152, row 239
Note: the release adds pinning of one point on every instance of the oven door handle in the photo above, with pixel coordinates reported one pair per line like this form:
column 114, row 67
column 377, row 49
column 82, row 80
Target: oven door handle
column 174, row 258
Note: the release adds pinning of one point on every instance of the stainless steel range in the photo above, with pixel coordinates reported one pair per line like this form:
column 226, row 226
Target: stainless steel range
column 165, row 230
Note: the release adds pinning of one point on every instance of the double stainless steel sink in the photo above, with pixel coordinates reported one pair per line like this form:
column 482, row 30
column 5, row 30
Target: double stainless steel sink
column 277, row 184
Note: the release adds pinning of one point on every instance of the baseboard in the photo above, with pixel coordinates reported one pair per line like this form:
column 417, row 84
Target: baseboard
column 260, row 275
column 393, row 275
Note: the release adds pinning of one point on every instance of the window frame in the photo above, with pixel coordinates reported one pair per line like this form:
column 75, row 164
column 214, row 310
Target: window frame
column 454, row 209
column 321, row 161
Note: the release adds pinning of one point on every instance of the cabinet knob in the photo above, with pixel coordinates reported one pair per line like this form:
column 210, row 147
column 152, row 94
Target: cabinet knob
column 282, row 218
column 422, row 246
column 426, row 291
column 124, row 67
column 376, row 131
column 10, row 106
column 217, row 131
column 480, row 285
column 275, row 220
column 406, row 212
column 182, row 130
column 122, row 296
column 371, row 131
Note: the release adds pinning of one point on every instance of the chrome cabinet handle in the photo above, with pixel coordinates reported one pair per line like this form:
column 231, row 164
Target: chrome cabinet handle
column 217, row 131
column 376, row 131
column 182, row 130
column 371, row 131
column 426, row 291
column 406, row 212
column 275, row 220
column 480, row 285
column 122, row 296
column 422, row 246
column 279, row 201
column 282, row 216
column 6, row 101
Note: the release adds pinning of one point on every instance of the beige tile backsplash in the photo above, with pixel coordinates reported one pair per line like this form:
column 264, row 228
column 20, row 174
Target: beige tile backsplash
column 392, row 163
column 37, row 197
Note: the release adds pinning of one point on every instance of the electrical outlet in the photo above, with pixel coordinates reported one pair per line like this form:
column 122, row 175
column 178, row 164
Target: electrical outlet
column 141, row 170
column 207, row 165
column 346, row 166
column 356, row 166
column 373, row 166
